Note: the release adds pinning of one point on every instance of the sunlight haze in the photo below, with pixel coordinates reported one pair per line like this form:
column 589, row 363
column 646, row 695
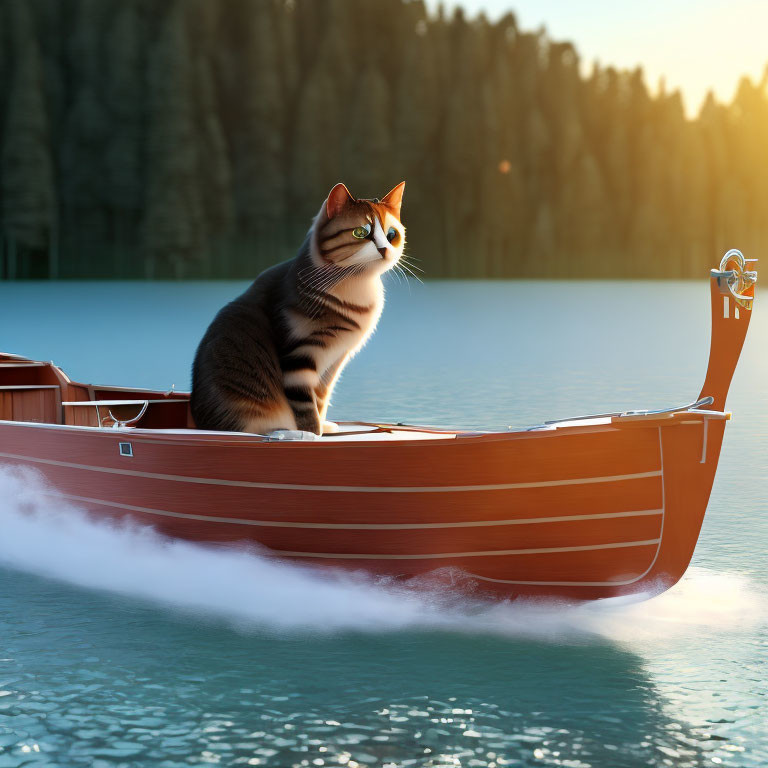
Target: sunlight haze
column 694, row 44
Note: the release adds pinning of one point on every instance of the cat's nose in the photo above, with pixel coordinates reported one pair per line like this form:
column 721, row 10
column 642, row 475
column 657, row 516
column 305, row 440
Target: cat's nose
column 383, row 252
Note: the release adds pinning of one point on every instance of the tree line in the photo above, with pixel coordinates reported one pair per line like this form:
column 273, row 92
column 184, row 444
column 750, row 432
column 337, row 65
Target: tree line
column 197, row 138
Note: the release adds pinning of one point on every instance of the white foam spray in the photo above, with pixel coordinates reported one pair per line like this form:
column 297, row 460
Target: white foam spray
column 51, row 538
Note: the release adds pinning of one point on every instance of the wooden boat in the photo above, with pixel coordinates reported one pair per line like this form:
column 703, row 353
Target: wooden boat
column 583, row 508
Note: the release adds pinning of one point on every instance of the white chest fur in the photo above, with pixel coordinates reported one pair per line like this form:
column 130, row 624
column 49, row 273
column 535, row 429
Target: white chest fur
column 369, row 294
column 330, row 349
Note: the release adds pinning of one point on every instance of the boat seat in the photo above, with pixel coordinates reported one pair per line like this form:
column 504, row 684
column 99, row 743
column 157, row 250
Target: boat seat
column 21, row 373
column 148, row 414
column 38, row 403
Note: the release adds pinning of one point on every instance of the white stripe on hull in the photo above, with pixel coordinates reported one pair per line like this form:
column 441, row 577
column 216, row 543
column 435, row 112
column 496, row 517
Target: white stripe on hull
column 620, row 583
column 336, row 488
column 354, row 526
column 451, row 555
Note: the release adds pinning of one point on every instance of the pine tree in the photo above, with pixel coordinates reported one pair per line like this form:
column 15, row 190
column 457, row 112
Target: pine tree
column 124, row 171
column 368, row 146
column 259, row 149
column 696, row 246
column 26, row 171
column 6, row 41
column 461, row 153
column 583, row 235
column 83, row 141
column 316, row 150
column 417, row 112
column 214, row 170
column 542, row 260
column 174, row 220
column 506, row 200
column 5, row 87
column 288, row 60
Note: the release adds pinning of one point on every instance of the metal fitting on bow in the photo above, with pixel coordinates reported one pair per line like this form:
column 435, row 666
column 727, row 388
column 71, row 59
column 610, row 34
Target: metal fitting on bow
column 733, row 277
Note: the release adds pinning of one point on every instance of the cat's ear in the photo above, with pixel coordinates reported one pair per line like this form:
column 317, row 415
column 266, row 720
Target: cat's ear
column 394, row 198
column 338, row 199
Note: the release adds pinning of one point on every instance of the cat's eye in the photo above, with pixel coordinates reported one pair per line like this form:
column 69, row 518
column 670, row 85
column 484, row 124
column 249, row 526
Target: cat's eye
column 361, row 232
column 391, row 234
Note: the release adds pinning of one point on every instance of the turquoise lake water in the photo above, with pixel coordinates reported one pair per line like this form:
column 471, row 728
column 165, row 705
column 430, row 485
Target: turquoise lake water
column 117, row 649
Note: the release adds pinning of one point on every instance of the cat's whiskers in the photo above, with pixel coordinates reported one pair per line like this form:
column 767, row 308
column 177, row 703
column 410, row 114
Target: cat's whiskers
column 398, row 270
column 412, row 266
column 329, row 281
column 413, row 274
column 307, row 280
column 321, row 280
column 309, row 276
column 406, row 258
column 357, row 264
column 311, row 282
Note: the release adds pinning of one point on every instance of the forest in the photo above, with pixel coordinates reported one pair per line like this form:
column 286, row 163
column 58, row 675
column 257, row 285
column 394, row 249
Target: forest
column 197, row 139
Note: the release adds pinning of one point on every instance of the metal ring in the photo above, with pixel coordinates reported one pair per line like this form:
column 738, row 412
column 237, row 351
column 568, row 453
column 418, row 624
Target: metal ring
column 735, row 275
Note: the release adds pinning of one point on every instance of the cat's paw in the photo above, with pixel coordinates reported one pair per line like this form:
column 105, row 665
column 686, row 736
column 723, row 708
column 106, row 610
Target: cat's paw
column 329, row 427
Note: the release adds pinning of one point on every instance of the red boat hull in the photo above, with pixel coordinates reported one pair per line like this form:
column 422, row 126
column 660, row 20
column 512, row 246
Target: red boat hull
column 581, row 510
column 580, row 513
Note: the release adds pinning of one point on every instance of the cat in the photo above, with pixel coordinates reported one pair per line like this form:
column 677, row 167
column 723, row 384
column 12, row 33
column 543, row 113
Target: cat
column 270, row 358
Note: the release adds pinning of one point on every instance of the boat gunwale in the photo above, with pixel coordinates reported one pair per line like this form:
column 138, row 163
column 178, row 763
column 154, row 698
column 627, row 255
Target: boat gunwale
column 201, row 438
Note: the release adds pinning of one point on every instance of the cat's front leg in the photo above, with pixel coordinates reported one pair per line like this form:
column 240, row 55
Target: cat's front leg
column 323, row 393
column 308, row 420
column 299, row 387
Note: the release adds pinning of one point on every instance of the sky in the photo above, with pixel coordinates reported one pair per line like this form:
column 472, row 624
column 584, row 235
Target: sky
column 696, row 45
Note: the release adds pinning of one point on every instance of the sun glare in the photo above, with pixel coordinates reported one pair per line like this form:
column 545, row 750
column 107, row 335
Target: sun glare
column 693, row 45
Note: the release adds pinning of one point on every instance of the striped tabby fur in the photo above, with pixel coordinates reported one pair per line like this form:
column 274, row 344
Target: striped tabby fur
column 271, row 357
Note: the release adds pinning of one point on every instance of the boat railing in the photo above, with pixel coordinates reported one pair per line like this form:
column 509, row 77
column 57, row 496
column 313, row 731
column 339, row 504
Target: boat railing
column 700, row 403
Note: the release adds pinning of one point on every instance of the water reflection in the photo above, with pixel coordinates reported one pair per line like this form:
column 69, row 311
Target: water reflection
column 125, row 684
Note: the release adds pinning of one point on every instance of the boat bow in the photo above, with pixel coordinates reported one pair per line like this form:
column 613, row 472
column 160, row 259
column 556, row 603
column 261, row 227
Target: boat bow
column 732, row 289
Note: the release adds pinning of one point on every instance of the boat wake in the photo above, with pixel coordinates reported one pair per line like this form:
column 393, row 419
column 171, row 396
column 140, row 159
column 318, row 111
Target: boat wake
column 50, row 538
